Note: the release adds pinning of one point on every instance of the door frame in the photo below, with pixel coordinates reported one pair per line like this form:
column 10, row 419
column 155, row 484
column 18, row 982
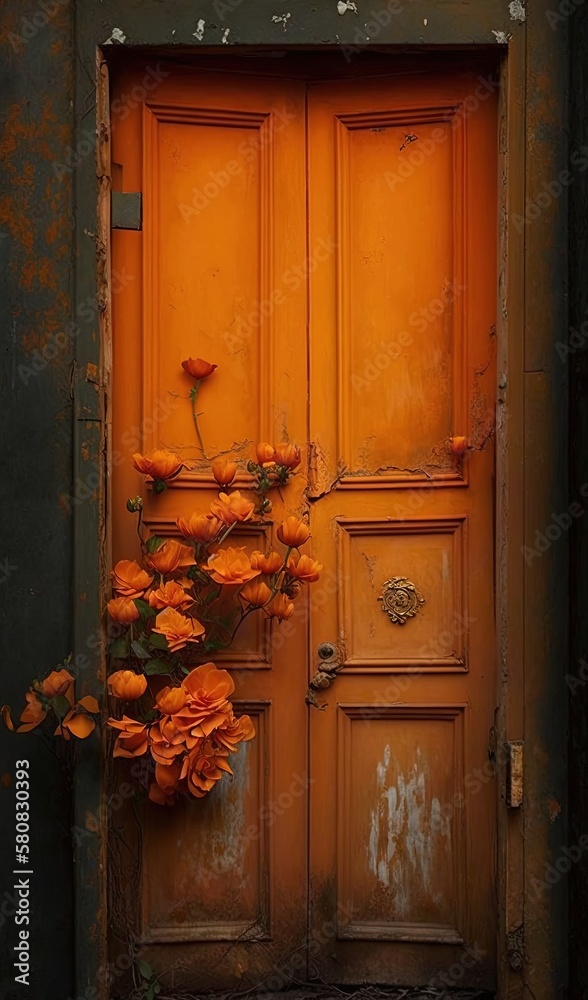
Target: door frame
column 531, row 427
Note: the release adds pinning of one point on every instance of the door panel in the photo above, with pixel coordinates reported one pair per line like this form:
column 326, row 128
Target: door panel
column 220, row 161
column 278, row 212
column 401, row 333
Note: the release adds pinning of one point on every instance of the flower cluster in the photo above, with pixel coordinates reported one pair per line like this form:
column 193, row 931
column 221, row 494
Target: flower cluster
column 188, row 599
column 52, row 701
column 184, row 600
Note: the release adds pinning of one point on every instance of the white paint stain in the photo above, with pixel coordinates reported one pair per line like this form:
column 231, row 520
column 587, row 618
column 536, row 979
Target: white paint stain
column 281, row 19
column 225, row 37
column 425, row 22
column 517, row 10
column 501, row 37
column 199, row 33
column 224, row 850
column 403, row 814
column 344, row 5
column 116, row 36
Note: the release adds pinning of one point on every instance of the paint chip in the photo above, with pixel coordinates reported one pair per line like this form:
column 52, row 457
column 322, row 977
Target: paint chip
column 116, row 36
column 344, row 5
column 225, row 37
column 501, row 37
column 281, row 19
column 199, row 33
column 517, row 10
column 425, row 22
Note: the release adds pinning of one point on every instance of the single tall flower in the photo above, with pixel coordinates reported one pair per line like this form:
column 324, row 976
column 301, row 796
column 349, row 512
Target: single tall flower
column 198, row 368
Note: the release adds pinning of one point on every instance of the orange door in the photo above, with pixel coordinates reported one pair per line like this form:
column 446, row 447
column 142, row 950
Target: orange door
column 279, row 214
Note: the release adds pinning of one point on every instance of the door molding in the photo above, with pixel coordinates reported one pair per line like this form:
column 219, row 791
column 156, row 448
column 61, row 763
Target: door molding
column 532, row 598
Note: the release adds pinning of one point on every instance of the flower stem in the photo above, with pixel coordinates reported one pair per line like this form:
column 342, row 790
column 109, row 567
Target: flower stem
column 195, row 415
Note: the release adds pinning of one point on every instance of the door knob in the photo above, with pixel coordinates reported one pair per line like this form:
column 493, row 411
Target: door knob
column 328, row 668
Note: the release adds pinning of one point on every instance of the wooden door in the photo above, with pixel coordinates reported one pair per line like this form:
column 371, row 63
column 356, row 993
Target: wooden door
column 402, row 343
column 279, row 213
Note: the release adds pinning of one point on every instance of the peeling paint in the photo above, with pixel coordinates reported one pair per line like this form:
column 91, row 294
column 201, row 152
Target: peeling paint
column 502, row 37
column 225, row 37
column 281, row 19
column 404, row 831
column 116, row 36
column 344, row 5
column 517, row 10
column 199, row 33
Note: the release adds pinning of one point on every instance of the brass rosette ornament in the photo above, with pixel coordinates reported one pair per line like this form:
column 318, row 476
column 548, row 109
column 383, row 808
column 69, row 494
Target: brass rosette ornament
column 400, row 599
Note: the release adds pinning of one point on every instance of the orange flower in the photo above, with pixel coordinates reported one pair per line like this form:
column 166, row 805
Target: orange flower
column 304, row 568
column 230, row 566
column 177, row 628
column 129, row 579
column 234, row 731
column 171, row 700
column 232, row 507
column 256, row 593
column 132, row 738
column 203, row 767
column 170, row 595
column 161, row 796
column 281, row 607
column 223, row 471
column 168, row 775
column 159, row 464
column 267, row 564
column 79, row 721
column 126, row 684
column 288, row 455
column 265, row 453
column 123, row 610
column 200, row 527
column 167, row 742
column 170, row 556
column 31, row 716
column 198, row 368
column 207, row 705
column 57, row 683
column 293, row 532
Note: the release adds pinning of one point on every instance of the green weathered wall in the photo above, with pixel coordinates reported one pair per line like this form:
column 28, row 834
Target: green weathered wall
column 577, row 358
column 35, row 461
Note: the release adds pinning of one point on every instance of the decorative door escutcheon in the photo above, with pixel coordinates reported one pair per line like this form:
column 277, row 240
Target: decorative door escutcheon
column 400, row 599
column 329, row 666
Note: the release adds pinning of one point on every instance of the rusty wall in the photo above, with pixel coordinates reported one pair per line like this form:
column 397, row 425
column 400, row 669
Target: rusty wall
column 36, row 459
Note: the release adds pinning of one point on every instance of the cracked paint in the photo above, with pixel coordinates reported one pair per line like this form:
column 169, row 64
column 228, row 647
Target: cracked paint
column 199, row 33
column 517, row 10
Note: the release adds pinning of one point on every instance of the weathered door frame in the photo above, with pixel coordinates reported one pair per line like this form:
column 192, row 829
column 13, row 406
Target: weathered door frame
column 531, row 592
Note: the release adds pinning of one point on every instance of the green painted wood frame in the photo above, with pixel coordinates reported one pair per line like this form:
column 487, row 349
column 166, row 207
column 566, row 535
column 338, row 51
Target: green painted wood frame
column 532, row 591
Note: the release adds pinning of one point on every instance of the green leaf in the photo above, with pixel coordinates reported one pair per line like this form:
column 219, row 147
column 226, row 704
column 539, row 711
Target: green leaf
column 153, row 543
column 145, row 969
column 158, row 641
column 60, row 706
column 139, row 651
column 119, row 647
column 157, row 667
column 145, row 610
